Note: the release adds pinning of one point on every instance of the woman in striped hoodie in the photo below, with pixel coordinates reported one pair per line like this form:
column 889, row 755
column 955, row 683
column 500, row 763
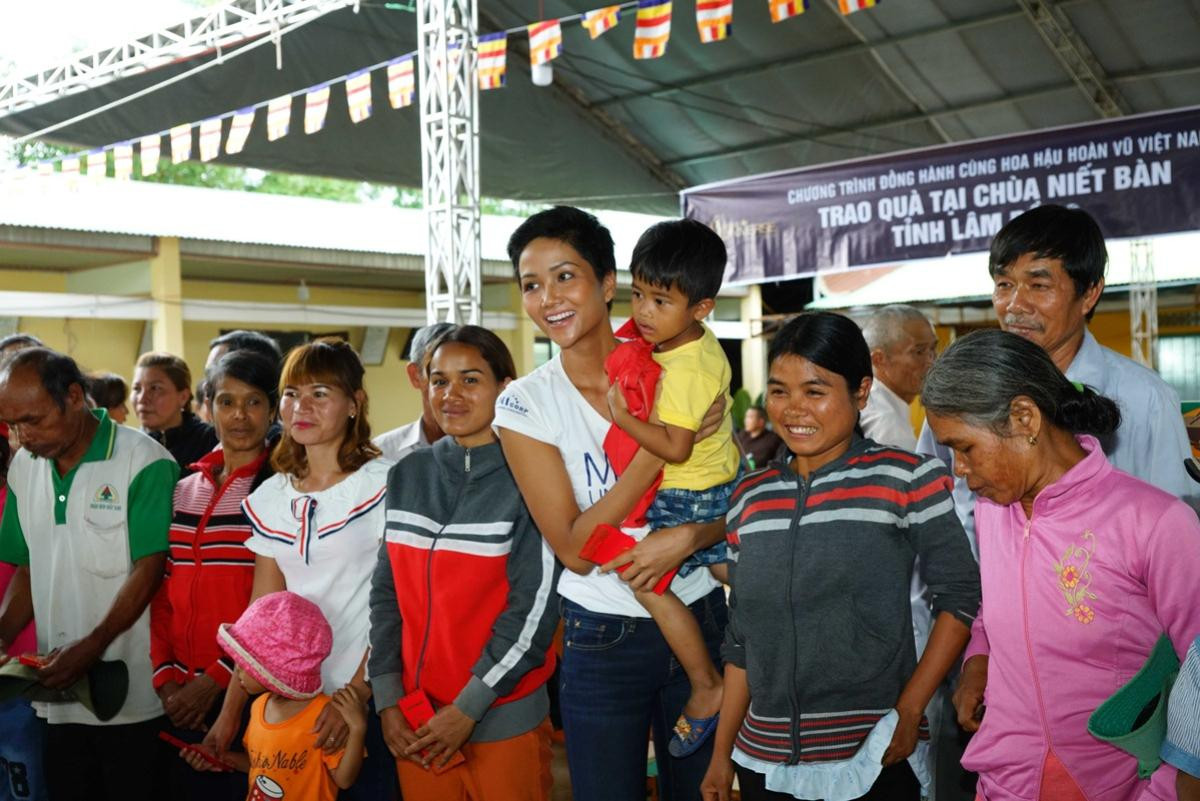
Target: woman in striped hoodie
column 209, row 568
column 463, row 605
column 824, row 694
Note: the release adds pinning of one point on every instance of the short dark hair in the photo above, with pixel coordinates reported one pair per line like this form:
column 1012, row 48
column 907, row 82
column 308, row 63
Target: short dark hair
column 490, row 347
column 828, row 340
column 108, row 390
column 247, row 366
column 56, row 371
column 978, row 377
column 256, row 341
column 576, row 227
column 1054, row 232
column 684, row 254
column 20, row 340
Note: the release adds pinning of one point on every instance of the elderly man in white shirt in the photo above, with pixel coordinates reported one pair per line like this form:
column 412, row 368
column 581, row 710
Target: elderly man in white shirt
column 903, row 346
column 424, row 431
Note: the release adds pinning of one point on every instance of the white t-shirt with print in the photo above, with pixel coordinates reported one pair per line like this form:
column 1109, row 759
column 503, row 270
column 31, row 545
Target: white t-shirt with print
column 547, row 407
column 326, row 544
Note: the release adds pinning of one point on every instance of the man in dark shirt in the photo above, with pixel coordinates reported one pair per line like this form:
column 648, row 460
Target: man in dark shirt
column 757, row 444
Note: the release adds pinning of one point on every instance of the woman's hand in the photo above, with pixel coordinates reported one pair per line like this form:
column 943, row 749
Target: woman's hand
column 718, row 780
column 331, row 729
column 712, row 419
column 653, row 557
column 352, row 709
column 442, row 736
column 397, row 734
column 904, row 739
column 190, row 704
column 968, row 698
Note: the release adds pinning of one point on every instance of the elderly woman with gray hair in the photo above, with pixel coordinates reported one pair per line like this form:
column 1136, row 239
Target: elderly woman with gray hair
column 1083, row 567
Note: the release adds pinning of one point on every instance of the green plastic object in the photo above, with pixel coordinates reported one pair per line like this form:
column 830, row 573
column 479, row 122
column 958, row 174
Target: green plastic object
column 1134, row 718
column 102, row 691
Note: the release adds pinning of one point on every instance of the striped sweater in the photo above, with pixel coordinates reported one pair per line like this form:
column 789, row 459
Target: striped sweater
column 463, row 604
column 209, row 572
column 820, row 618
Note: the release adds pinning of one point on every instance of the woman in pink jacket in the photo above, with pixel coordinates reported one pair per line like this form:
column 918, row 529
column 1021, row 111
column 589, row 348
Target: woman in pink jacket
column 1083, row 569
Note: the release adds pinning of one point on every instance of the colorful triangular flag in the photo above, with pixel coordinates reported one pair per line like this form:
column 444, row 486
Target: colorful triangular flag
column 316, row 104
column 181, row 143
column 150, row 147
column 97, row 164
column 493, row 60
column 545, row 41
column 70, row 165
column 123, row 161
column 358, row 95
column 653, row 28
column 210, row 139
column 784, row 9
column 279, row 117
column 239, row 130
column 601, row 20
column 401, row 82
column 850, row 6
column 714, row 18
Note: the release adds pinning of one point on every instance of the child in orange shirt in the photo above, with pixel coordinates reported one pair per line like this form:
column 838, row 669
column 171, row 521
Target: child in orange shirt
column 279, row 643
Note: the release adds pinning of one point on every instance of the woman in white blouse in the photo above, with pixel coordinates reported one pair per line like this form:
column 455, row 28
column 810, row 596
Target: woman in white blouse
column 317, row 525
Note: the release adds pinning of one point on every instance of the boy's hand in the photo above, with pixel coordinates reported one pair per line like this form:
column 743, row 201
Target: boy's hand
column 352, row 710
column 442, row 736
column 618, row 406
column 397, row 734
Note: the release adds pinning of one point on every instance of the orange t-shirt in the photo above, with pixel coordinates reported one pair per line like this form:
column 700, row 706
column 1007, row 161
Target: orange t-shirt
column 284, row 760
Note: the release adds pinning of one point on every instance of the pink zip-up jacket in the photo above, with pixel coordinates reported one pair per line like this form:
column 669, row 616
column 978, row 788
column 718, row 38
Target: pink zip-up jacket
column 1074, row 598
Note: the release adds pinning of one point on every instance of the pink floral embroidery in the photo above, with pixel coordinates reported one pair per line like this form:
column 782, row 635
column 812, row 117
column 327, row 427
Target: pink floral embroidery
column 1075, row 579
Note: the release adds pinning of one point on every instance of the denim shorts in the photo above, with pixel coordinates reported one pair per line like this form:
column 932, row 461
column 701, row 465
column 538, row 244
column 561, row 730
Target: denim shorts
column 674, row 507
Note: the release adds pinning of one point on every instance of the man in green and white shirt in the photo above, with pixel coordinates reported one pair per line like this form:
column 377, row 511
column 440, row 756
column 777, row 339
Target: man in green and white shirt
column 86, row 521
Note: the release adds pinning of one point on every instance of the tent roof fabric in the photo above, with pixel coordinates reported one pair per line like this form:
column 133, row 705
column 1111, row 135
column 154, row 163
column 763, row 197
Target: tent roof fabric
column 619, row 133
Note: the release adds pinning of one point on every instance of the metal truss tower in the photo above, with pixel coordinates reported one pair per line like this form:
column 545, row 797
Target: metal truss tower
column 1143, row 304
column 449, row 98
column 222, row 27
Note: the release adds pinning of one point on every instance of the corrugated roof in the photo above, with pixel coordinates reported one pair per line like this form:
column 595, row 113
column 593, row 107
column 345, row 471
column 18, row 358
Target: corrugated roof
column 254, row 218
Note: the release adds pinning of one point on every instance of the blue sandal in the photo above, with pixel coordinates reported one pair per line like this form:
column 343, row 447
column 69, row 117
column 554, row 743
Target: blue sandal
column 690, row 734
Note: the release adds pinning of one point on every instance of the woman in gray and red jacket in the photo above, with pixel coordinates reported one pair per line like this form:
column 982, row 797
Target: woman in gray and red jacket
column 469, row 636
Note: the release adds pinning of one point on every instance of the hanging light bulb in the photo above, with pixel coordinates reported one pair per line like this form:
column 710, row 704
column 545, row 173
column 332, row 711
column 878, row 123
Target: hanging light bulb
column 543, row 74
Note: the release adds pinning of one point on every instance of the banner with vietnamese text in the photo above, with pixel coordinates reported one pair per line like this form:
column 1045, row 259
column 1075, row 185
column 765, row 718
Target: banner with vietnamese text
column 1137, row 176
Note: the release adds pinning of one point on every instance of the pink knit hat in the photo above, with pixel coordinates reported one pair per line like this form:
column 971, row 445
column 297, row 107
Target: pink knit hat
column 280, row 640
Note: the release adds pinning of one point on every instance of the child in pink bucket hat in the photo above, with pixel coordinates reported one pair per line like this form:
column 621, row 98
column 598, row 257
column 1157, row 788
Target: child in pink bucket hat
column 279, row 643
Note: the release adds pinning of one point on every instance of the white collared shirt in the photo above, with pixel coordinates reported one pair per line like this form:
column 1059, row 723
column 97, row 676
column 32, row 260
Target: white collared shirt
column 886, row 418
column 400, row 442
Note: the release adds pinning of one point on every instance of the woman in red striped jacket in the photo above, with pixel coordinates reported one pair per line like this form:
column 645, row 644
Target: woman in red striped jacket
column 824, row 692
column 209, row 569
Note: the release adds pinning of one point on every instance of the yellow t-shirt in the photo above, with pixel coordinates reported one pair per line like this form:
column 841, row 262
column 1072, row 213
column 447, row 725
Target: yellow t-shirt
column 284, row 760
column 693, row 375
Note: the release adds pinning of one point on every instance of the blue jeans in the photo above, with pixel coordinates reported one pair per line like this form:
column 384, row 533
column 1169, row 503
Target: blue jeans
column 21, row 743
column 675, row 507
column 618, row 681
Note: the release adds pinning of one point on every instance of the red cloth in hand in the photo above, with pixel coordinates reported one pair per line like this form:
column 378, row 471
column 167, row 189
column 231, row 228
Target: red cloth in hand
column 608, row 542
column 632, row 367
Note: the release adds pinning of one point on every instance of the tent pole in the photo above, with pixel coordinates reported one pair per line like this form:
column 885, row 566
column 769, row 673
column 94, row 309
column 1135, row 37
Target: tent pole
column 449, row 101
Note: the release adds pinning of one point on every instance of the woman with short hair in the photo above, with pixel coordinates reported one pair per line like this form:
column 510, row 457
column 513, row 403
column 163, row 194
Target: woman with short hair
column 1084, row 568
